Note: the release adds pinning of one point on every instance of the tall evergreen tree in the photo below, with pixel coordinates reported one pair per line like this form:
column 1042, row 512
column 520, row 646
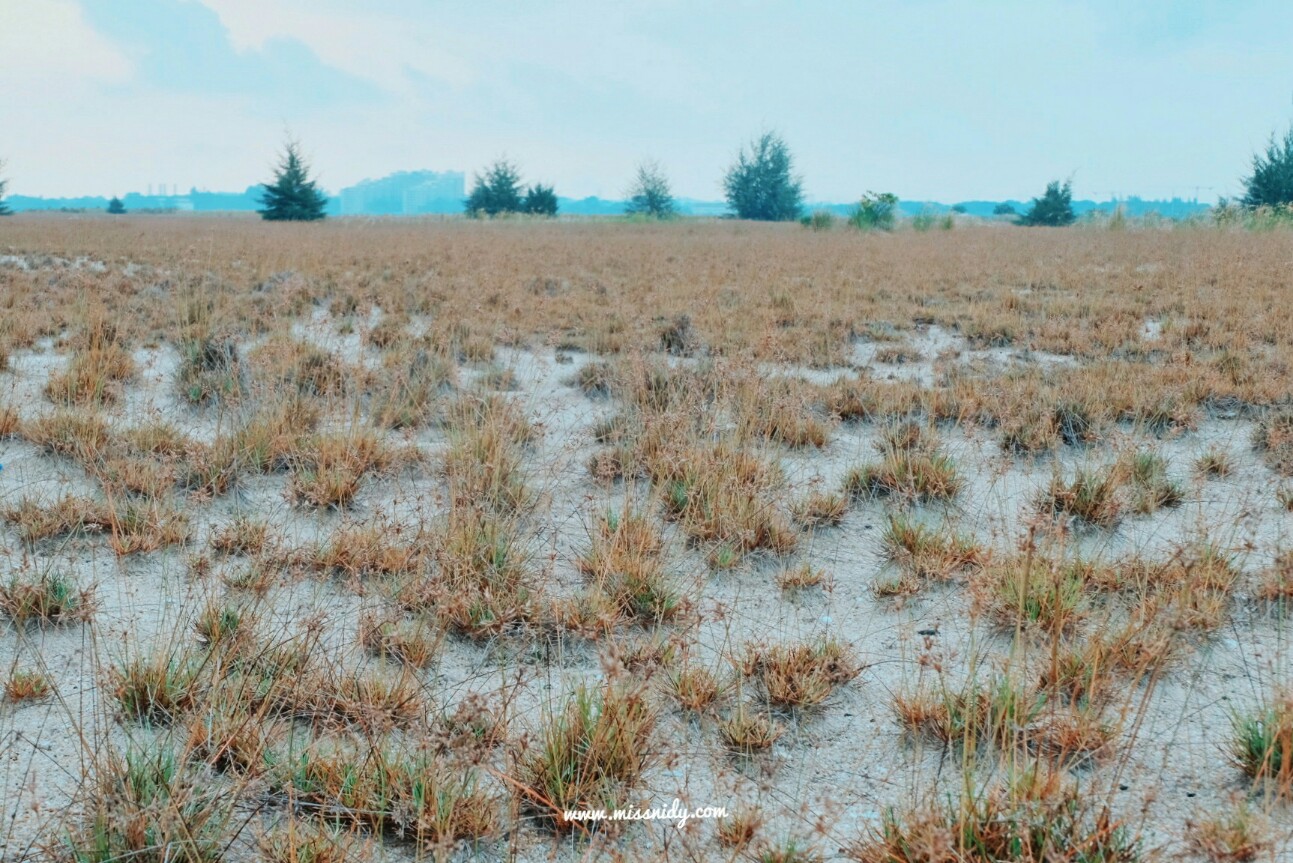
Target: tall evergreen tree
column 115, row 207
column 1271, row 182
column 760, row 184
column 4, row 184
column 292, row 196
column 650, row 194
column 496, row 191
column 1053, row 209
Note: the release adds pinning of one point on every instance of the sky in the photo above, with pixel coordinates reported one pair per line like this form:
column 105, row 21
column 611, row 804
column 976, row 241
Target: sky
column 943, row 100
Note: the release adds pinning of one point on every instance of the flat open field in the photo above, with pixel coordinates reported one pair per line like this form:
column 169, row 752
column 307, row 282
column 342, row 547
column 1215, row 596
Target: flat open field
column 398, row 540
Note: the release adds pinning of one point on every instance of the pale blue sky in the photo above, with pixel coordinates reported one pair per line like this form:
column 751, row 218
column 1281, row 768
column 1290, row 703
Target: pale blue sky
column 930, row 99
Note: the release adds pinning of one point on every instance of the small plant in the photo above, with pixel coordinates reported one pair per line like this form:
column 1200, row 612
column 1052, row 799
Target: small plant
column 625, row 564
column 158, row 688
column 875, row 212
column 1214, row 464
column 1262, row 745
column 411, row 642
column 748, row 731
column 591, row 754
column 1237, row 836
column 697, row 689
column 1033, row 818
column 305, row 842
column 388, row 789
column 50, row 599
column 242, row 536
column 801, row 577
column 738, row 829
column 146, row 807
column 803, row 675
column 1033, row 591
column 911, row 475
column 820, row 509
column 1091, row 497
column 998, row 712
column 927, row 553
column 1273, row 438
column 27, row 686
column 1152, row 488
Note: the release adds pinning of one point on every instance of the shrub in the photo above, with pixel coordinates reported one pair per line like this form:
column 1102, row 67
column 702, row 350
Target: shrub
column 875, row 212
column 650, row 195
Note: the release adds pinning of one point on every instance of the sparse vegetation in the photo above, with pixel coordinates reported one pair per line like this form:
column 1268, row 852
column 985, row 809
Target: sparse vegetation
column 304, row 564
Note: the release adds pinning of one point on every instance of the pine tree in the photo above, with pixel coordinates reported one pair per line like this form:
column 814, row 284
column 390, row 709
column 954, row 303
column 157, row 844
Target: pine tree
column 1053, row 209
column 760, row 185
column 292, row 196
column 496, row 191
column 650, row 194
column 1271, row 182
column 540, row 200
column 4, row 184
column 115, row 207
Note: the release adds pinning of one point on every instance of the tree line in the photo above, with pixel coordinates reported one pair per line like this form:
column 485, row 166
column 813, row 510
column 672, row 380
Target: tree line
column 760, row 185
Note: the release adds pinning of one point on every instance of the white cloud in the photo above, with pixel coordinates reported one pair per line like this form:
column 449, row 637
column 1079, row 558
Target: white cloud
column 367, row 44
column 48, row 43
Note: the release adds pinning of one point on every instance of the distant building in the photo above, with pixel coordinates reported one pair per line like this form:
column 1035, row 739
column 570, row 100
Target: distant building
column 406, row 193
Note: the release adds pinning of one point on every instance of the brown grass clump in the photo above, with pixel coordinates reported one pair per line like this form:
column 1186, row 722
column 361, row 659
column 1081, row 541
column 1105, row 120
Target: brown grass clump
column 242, row 536
column 158, row 687
column 366, row 550
column 141, row 526
column 1090, row 497
column 1273, row 438
column 484, row 462
column 50, row 599
column 820, row 509
column 27, row 686
column 722, row 496
column 625, row 565
column 1031, row 591
column 145, row 804
column 373, row 700
column 747, row 731
column 480, row 585
column 327, row 470
column 802, row 675
column 590, row 754
column 911, row 467
column 927, row 553
column 68, row 515
column 1035, row 818
column 1262, row 745
column 83, row 437
column 411, row 642
column 301, row 368
column 802, row 577
column 1239, row 835
column 996, row 712
column 698, row 689
column 391, row 789
column 98, row 368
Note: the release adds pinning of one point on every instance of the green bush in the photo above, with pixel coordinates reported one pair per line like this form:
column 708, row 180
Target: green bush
column 875, row 212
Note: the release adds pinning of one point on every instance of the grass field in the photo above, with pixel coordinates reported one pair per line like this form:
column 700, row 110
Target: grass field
column 396, row 540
